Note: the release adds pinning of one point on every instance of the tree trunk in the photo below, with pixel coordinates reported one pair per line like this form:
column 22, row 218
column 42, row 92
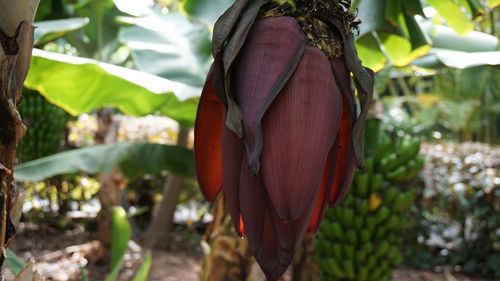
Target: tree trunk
column 16, row 43
column 112, row 183
column 227, row 256
column 303, row 267
column 158, row 233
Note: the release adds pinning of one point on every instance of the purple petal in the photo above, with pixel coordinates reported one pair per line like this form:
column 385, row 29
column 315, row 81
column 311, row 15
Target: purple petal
column 299, row 130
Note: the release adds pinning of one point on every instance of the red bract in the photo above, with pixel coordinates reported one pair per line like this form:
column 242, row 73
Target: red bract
column 276, row 129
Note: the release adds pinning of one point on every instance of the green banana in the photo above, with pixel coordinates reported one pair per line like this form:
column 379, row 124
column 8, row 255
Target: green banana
column 389, row 163
column 351, row 237
column 361, row 184
column 333, row 268
column 382, row 214
column 380, row 233
column 337, row 251
column 363, row 274
column 392, row 222
column 415, row 168
column 365, row 232
column 358, row 223
column 390, row 195
column 360, row 257
column 348, row 266
column 399, row 174
column 369, row 166
column 46, row 125
column 363, row 207
column 348, row 251
column 377, row 183
column 348, row 217
column 336, row 231
column 365, row 235
column 403, row 201
column 384, row 148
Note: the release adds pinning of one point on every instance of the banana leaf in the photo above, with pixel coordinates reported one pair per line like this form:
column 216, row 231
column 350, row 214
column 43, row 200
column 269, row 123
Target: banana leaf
column 206, row 11
column 84, row 85
column 459, row 60
column 133, row 159
column 169, row 46
column 47, row 31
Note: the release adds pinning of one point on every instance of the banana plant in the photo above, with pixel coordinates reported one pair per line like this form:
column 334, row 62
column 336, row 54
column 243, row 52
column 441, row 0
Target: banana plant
column 392, row 31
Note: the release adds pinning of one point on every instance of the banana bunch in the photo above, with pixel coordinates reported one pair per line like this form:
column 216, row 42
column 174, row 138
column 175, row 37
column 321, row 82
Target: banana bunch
column 360, row 240
column 46, row 125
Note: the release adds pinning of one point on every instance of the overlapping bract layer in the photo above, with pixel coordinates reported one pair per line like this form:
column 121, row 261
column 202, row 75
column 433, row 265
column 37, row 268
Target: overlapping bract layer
column 274, row 132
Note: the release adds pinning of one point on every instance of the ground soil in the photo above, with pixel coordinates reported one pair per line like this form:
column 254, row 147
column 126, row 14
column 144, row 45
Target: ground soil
column 60, row 261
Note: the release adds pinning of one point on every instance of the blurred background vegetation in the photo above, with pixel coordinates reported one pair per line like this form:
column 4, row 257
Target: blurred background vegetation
column 107, row 169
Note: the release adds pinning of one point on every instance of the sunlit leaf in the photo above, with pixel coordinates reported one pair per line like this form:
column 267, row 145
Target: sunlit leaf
column 400, row 50
column 137, row 8
column 453, row 15
column 84, row 85
column 369, row 53
column 493, row 3
column 460, row 60
column 428, row 99
column 446, row 38
column 463, row 60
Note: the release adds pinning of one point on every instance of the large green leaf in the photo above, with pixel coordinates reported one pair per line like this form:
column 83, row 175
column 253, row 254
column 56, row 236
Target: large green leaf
column 413, row 31
column 54, row 9
column 207, row 11
column 453, row 15
column 493, row 3
column 476, row 8
column 413, row 7
column 450, row 49
column 102, row 30
column 133, row 159
column 47, row 31
column 372, row 15
column 169, row 46
column 80, row 85
column 369, row 53
column 136, row 8
column 446, row 38
column 456, row 59
column 393, row 9
column 399, row 50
